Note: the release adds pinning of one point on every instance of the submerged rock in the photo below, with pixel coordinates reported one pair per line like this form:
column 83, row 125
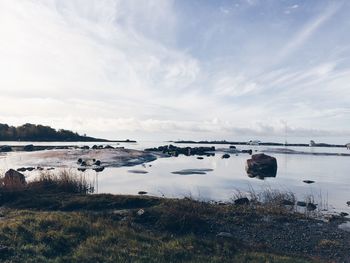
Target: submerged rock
column 137, row 171
column 308, row 181
column 261, row 165
column 226, row 156
column 192, row 171
column 142, row 192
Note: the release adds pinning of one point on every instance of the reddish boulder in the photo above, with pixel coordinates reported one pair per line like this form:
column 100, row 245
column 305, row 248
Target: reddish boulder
column 261, row 165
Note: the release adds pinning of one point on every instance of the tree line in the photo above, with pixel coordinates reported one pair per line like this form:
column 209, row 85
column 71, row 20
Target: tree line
column 32, row 132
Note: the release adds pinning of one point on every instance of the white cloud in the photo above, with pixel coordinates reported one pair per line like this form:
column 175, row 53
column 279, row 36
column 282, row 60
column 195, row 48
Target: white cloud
column 116, row 67
column 306, row 32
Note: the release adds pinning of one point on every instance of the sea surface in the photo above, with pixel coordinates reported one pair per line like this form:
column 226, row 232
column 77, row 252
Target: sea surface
column 331, row 174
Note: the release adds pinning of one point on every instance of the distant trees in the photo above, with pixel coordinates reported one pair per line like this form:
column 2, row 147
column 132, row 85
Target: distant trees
column 32, row 132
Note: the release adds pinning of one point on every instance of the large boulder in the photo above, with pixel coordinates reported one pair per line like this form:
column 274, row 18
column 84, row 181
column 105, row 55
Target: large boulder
column 14, row 179
column 261, row 165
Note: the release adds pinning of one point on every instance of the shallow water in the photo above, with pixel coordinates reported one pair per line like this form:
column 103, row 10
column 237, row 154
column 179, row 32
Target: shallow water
column 330, row 173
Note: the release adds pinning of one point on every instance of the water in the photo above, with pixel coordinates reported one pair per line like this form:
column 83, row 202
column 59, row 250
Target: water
column 330, row 173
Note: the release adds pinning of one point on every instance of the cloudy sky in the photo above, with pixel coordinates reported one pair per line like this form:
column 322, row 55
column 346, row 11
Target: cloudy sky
column 190, row 69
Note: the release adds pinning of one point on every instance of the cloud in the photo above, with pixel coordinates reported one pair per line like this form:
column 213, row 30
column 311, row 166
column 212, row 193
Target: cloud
column 121, row 68
column 306, row 32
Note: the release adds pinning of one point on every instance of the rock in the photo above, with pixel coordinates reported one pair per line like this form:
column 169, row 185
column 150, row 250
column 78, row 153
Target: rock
column 200, row 158
column 5, row 148
column 261, row 165
column 30, row 169
column 83, row 163
column 140, row 212
column 51, row 168
column 242, row 201
column 247, row 151
column 343, row 214
column 85, row 147
column 97, row 162
column 287, row 202
column 22, row 169
column 224, row 235
column 80, row 160
column 94, row 147
column 142, row 192
column 28, row 148
column 226, row 156
column 99, row 169
column 14, row 178
column 40, row 168
column 348, row 203
column 232, row 147
column 301, row 203
column 81, row 169
column 308, row 181
column 109, row 147
column 311, row 207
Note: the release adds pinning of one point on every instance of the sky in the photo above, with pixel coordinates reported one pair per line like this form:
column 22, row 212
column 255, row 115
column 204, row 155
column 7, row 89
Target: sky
column 178, row 69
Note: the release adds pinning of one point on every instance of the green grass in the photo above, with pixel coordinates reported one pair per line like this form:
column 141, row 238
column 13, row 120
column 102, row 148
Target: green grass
column 84, row 237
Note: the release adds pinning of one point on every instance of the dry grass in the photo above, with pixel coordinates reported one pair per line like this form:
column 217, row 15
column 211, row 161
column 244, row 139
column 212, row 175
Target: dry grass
column 60, row 181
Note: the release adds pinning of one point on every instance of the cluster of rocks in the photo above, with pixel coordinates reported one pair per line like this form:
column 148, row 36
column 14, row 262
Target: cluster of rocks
column 188, row 151
column 96, row 147
column 23, row 169
column 93, row 164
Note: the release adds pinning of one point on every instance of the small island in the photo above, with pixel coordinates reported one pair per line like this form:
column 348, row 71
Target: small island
column 35, row 133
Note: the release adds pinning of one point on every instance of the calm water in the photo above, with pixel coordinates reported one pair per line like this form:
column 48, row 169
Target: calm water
column 331, row 174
